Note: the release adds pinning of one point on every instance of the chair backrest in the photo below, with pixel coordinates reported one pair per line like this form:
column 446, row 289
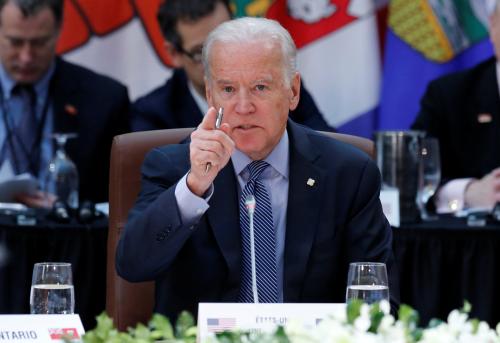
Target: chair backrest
column 130, row 303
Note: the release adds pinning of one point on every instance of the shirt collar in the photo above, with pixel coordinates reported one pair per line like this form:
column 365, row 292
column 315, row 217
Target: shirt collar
column 278, row 158
column 41, row 86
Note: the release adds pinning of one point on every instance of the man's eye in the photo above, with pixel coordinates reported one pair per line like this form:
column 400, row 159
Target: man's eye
column 16, row 42
column 228, row 89
column 39, row 42
column 260, row 87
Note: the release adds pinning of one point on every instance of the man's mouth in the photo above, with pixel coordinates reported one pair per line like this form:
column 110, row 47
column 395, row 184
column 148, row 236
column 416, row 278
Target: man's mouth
column 246, row 127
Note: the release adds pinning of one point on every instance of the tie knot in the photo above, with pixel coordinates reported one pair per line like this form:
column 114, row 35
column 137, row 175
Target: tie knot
column 256, row 168
column 26, row 91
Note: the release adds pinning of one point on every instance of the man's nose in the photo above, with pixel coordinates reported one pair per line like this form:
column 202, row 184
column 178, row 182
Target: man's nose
column 26, row 53
column 244, row 103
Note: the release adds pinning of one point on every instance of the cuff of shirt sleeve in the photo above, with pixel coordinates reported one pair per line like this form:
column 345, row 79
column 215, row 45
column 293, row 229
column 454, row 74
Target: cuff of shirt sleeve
column 191, row 206
column 450, row 197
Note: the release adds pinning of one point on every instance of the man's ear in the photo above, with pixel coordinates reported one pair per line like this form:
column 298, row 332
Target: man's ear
column 294, row 91
column 175, row 55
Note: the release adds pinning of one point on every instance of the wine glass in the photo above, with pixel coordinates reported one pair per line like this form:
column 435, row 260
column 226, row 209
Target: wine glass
column 429, row 175
column 52, row 289
column 367, row 281
column 62, row 176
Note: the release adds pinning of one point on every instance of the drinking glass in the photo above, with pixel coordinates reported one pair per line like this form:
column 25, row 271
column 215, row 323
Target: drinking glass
column 429, row 175
column 367, row 281
column 62, row 176
column 52, row 289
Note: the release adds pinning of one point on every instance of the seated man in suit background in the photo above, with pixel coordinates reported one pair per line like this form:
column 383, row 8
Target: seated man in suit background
column 42, row 94
column 181, row 102
column 317, row 199
column 462, row 110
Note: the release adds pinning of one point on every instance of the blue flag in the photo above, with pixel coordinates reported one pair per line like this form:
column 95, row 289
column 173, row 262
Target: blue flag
column 427, row 39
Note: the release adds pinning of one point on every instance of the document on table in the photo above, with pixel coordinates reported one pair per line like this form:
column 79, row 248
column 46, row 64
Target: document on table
column 12, row 185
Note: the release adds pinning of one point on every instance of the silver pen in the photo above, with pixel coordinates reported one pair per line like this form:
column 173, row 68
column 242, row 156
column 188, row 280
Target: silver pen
column 218, row 123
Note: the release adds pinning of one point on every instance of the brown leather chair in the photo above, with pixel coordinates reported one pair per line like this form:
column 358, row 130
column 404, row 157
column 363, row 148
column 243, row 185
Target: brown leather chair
column 130, row 303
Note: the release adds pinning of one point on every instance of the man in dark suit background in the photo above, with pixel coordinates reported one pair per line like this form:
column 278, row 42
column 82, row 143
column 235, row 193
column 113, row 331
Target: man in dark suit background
column 63, row 97
column 188, row 229
column 181, row 102
column 462, row 110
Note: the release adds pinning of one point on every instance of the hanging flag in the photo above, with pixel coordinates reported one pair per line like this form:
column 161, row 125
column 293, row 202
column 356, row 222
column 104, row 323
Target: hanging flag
column 121, row 39
column 426, row 39
column 338, row 57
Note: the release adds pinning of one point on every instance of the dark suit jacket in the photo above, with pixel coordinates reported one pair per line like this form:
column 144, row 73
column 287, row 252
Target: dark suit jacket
column 96, row 108
column 329, row 225
column 172, row 106
column 449, row 111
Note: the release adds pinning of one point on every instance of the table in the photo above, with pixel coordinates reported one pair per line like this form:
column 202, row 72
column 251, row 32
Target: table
column 442, row 263
column 83, row 245
column 439, row 263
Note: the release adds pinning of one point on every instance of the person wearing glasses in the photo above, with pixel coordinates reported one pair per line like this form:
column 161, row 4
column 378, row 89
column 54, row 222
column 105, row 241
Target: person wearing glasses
column 181, row 101
column 42, row 94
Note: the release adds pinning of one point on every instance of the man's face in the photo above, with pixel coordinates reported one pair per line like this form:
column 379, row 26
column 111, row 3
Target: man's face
column 193, row 36
column 27, row 45
column 247, row 79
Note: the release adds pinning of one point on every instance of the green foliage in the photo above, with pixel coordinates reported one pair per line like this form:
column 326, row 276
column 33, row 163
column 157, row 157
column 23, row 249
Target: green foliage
column 355, row 324
column 353, row 310
column 376, row 316
column 158, row 329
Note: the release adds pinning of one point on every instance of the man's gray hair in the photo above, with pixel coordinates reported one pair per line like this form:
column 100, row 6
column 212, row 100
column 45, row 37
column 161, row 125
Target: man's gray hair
column 250, row 29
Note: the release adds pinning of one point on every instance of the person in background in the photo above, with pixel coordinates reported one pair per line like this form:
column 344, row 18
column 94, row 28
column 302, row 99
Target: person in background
column 316, row 201
column 181, row 101
column 462, row 110
column 42, row 94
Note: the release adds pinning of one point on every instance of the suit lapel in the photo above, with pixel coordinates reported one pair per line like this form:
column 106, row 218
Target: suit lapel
column 486, row 95
column 63, row 92
column 487, row 104
column 66, row 109
column 223, row 217
column 306, row 186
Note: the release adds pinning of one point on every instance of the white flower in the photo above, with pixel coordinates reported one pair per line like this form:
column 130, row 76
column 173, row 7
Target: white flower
column 385, row 306
column 386, row 323
column 363, row 323
column 438, row 334
column 336, row 329
column 457, row 321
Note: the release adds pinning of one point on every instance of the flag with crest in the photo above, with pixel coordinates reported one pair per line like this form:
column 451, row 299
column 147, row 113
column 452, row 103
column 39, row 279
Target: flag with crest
column 426, row 39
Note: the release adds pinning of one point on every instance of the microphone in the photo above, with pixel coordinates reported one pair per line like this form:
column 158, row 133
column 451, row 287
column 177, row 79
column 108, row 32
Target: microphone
column 250, row 206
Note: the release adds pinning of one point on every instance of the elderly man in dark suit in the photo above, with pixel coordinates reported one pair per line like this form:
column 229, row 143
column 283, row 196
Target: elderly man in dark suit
column 181, row 102
column 462, row 110
column 41, row 94
column 316, row 199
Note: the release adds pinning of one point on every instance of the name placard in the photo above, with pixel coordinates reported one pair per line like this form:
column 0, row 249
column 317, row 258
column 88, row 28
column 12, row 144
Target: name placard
column 218, row 317
column 40, row 327
column 389, row 198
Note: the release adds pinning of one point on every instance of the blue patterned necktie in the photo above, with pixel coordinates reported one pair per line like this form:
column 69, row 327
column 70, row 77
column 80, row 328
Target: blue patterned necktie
column 264, row 238
column 21, row 149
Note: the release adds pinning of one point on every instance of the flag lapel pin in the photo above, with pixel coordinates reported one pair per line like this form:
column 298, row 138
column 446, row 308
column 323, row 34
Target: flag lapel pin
column 71, row 110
